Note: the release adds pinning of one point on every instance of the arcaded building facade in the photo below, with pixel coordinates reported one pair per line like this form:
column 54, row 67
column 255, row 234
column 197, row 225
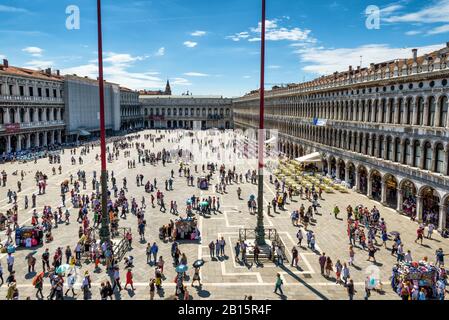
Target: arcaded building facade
column 31, row 108
column 186, row 112
column 384, row 130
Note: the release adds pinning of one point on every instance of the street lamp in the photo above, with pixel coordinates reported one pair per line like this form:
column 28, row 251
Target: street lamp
column 260, row 230
column 104, row 231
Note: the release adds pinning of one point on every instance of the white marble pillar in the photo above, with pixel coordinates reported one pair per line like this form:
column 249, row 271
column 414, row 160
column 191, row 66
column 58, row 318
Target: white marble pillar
column 8, row 144
column 28, row 142
column 419, row 208
column 370, row 187
column 400, row 201
column 383, row 198
column 442, row 217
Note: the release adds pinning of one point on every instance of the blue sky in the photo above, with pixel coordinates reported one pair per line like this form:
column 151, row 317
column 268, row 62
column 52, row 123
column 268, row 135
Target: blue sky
column 212, row 47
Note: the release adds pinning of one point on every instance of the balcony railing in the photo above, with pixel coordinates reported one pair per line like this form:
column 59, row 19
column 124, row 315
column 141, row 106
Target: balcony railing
column 30, row 99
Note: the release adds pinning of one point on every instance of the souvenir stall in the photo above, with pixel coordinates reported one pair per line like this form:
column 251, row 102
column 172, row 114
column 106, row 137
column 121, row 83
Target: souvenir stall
column 186, row 229
column 29, row 237
column 420, row 274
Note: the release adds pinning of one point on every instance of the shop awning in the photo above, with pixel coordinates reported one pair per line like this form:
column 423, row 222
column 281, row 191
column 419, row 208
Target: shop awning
column 310, row 158
column 83, row 133
column 271, row 140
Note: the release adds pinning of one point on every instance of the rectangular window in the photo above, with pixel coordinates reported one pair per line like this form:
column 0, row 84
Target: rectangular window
column 39, row 92
column 440, row 162
column 21, row 90
column 47, row 93
column 54, row 93
column 31, row 91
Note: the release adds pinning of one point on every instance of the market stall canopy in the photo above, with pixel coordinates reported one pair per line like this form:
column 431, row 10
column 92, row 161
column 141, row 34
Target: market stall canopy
column 310, row 158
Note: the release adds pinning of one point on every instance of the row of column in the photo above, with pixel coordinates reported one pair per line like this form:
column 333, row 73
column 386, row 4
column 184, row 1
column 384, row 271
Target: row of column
column 27, row 119
column 55, row 137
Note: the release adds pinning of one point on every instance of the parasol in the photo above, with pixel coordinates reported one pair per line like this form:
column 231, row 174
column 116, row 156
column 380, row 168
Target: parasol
column 252, row 197
column 198, row 263
column 62, row 268
column 181, row 268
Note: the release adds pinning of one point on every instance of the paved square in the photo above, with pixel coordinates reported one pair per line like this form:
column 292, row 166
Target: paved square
column 223, row 278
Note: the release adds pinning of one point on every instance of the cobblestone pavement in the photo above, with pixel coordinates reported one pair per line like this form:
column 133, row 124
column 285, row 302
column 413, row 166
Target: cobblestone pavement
column 223, row 278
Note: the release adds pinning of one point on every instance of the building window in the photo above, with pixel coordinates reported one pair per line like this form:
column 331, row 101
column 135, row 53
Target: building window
column 401, row 110
column 428, row 156
column 389, row 149
column 39, row 92
column 168, row 112
column 432, row 109
column 420, row 108
column 54, row 93
column 397, row 156
column 439, row 158
column 417, row 153
column 31, row 91
column 21, row 90
column 47, row 93
column 392, row 111
column 408, row 153
column 443, row 111
column 180, row 111
column 383, row 111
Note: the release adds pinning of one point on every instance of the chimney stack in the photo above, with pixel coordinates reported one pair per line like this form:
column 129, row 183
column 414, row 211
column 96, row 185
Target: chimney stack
column 371, row 65
column 48, row 71
column 58, row 73
column 415, row 54
column 5, row 63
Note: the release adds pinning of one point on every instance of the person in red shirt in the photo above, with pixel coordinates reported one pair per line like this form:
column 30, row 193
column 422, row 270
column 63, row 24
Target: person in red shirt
column 419, row 234
column 129, row 279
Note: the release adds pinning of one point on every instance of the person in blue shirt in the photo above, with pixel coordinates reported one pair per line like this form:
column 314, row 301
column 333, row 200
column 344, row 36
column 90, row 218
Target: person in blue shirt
column 154, row 249
column 422, row 294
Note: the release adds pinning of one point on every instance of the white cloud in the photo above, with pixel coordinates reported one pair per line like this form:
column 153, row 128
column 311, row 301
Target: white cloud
column 238, row 36
column 389, row 9
column 9, row 9
column 196, row 74
column 198, row 33
column 190, row 44
column 413, row 32
column 160, row 52
column 324, row 61
column 116, row 71
column 121, row 58
column 180, row 82
column 34, row 51
column 246, row 77
column 274, row 32
column 441, row 29
column 438, row 11
column 274, row 67
column 39, row 64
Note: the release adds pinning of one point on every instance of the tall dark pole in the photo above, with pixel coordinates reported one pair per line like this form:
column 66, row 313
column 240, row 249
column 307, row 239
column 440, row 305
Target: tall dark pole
column 260, row 230
column 104, row 231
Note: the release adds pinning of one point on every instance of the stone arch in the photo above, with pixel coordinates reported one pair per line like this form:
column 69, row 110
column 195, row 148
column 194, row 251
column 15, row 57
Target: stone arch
column 376, row 185
column 362, row 174
column 391, row 190
column 350, row 167
column 430, row 199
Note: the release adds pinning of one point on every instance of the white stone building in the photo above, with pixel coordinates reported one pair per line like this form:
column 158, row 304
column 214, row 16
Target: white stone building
column 31, row 108
column 382, row 129
column 186, row 111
